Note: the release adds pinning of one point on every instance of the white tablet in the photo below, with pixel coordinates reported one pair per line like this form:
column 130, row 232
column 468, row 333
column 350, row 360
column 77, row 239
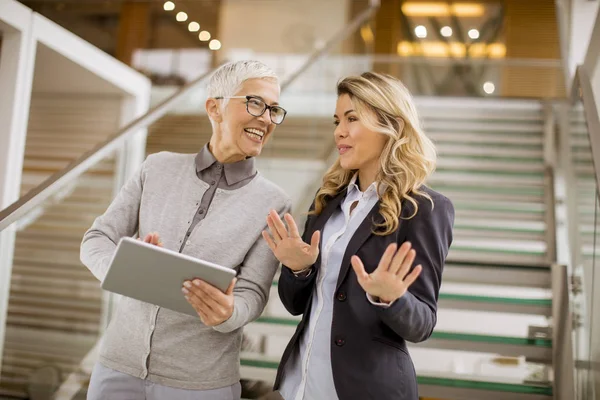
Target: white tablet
column 155, row 275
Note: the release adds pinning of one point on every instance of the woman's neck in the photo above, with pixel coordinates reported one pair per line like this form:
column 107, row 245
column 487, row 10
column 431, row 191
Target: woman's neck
column 222, row 153
column 366, row 177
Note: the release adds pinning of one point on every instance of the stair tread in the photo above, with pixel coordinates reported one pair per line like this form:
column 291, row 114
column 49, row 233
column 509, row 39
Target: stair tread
column 442, row 335
column 541, row 302
column 432, row 378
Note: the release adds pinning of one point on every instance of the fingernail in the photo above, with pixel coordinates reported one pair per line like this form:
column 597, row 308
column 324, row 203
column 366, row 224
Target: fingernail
column 197, row 282
column 185, row 291
column 187, row 284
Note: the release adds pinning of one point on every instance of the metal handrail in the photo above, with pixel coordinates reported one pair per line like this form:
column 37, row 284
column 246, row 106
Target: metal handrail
column 53, row 184
column 583, row 90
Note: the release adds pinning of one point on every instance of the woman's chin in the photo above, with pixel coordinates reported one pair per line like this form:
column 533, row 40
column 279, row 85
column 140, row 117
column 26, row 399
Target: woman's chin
column 253, row 150
column 346, row 164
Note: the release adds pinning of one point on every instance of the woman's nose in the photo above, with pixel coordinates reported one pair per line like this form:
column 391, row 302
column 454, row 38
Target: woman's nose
column 339, row 131
column 266, row 117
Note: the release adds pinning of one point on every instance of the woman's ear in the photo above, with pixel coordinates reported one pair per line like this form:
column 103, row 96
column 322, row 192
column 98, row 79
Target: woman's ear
column 213, row 109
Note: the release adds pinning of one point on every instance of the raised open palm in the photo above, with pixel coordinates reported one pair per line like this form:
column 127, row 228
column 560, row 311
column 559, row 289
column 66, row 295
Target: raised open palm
column 391, row 279
column 287, row 245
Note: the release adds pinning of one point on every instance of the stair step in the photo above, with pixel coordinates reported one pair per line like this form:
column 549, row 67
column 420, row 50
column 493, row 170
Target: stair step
column 506, row 129
column 490, row 232
column 453, row 386
column 539, row 350
column 507, row 252
column 498, row 274
column 461, row 388
column 452, row 150
column 534, row 350
column 488, row 179
column 486, row 165
column 476, row 140
column 496, row 304
column 498, row 192
column 474, row 302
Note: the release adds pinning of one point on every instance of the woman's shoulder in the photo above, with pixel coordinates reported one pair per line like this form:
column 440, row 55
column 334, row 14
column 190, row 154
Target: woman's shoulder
column 437, row 197
column 165, row 158
column 428, row 201
column 165, row 164
column 270, row 190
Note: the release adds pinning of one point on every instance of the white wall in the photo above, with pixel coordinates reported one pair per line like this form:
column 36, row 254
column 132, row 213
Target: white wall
column 583, row 17
column 291, row 26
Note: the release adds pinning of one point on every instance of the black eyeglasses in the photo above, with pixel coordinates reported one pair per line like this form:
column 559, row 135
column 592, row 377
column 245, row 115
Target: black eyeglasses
column 256, row 107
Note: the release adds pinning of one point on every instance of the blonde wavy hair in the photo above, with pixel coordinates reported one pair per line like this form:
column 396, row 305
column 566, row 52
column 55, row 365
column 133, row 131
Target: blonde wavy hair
column 385, row 105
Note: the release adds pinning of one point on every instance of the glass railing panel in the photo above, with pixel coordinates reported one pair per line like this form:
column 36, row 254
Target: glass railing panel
column 464, row 76
column 585, row 299
column 56, row 308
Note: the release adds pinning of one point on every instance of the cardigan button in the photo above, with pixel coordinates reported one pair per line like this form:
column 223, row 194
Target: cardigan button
column 341, row 296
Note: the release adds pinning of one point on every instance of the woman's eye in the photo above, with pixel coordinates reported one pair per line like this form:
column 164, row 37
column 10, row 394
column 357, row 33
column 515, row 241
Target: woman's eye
column 352, row 119
column 336, row 123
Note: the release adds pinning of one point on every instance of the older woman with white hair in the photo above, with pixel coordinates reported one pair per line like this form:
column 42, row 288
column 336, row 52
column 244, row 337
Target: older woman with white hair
column 210, row 205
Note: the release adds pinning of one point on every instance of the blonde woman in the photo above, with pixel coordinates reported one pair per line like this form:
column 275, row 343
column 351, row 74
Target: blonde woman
column 372, row 283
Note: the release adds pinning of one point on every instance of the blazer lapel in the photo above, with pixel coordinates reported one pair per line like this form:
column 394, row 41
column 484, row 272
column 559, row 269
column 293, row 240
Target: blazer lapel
column 365, row 229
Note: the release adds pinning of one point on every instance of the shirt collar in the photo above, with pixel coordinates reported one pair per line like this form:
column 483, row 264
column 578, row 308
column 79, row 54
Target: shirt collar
column 354, row 189
column 234, row 172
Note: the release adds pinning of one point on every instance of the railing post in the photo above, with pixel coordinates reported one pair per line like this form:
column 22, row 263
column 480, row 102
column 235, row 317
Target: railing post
column 562, row 336
column 550, row 162
column 16, row 79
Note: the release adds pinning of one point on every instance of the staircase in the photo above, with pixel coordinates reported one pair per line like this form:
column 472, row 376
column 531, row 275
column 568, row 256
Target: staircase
column 492, row 339
column 55, row 303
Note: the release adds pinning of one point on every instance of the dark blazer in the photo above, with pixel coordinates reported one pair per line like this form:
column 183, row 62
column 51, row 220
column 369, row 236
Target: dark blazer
column 369, row 356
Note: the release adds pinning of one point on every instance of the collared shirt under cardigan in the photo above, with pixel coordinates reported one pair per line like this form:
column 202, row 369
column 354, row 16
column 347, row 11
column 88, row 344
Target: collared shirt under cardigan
column 309, row 376
column 166, row 197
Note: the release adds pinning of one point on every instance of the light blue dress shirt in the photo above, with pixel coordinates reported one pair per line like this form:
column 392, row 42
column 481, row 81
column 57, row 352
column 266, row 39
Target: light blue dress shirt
column 308, row 376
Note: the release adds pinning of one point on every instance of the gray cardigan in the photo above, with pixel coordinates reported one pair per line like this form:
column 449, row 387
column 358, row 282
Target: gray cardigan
column 167, row 347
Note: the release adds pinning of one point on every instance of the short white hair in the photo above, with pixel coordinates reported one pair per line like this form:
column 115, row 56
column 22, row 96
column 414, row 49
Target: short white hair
column 228, row 79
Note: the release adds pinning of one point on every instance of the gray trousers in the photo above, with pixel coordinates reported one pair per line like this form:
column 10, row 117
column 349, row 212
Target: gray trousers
column 108, row 384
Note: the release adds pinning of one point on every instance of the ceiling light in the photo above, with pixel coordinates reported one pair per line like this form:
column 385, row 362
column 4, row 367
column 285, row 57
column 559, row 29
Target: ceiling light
column 489, row 87
column 467, row 9
column 181, row 16
column 446, row 31
column 421, row 31
column 367, row 34
column 473, row 34
column 214, row 44
column 442, row 9
column 204, row 36
column 405, row 49
column 456, row 49
column 413, row 9
column 496, row 50
column 169, row 6
column 194, row 26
